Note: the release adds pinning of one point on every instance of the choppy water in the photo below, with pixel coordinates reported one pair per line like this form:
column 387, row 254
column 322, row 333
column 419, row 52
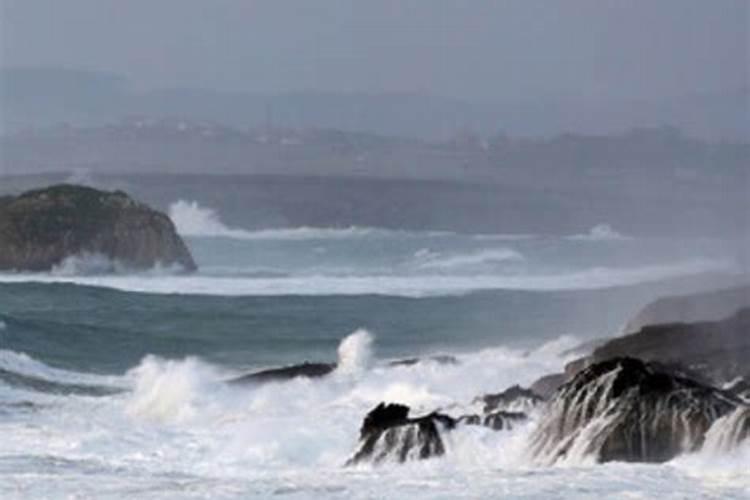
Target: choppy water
column 113, row 385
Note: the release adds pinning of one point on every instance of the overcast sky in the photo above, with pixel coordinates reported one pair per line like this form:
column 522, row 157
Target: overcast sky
column 471, row 49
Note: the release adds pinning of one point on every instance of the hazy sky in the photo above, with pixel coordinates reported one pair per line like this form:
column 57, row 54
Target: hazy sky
column 471, row 49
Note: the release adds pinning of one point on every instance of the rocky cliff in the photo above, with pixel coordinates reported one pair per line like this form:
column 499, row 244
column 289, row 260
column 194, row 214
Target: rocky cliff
column 40, row 229
column 705, row 306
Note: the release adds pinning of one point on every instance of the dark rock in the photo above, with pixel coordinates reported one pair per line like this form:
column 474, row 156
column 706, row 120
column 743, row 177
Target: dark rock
column 497, row 421
column 387, row 433
column 715, row 351
column 705, row 306
column 40, row 229
column 626, row 410
column 309, row 370
column 513, row 398
column 741, row 388
column 546, row 386
column 441, row 359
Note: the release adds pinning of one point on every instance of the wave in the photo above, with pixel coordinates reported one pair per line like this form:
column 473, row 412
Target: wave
column 179, row 428
column 95, row 264
column 21, row 371
column 434, row 260
column 401, row 286
column 195, row 220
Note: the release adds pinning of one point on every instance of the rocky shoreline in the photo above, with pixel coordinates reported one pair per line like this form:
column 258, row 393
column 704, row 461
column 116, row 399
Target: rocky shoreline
column 646, row 396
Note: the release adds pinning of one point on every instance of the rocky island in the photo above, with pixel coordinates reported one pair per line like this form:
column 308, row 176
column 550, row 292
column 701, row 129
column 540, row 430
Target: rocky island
column 42, row 228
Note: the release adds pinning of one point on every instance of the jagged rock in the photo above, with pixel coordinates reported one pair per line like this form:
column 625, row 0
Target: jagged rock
column 627, row 410
column 515, row 398
column 388, row 433
column 740, row 387
column 497, row 421
column 309, row 370
column 441, row 359
column 40, row 229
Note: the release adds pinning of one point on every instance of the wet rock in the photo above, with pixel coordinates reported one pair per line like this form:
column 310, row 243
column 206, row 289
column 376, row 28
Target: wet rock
column 729, row 432
column 441, row 359
column 626, row 410
column 740, row 387
column 515, row 398
column 497, row 420
column 714, row 351
column 308, row 370
column 42, row 228
column 704, row 306
column 387, row 433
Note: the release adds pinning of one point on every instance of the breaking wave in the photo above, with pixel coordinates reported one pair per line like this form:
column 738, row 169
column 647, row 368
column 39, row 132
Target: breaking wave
column 195, row 220
column 402, row 286
column 434, row 260
column 96, row 264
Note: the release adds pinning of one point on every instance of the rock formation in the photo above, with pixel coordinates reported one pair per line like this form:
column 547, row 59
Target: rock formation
column 306, row 369
column 388, row 433
column 705, row 306
column 714, row 351
column 42, row 228
column 626, row 410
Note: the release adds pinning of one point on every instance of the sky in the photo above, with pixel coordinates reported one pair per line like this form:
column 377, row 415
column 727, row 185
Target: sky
column 481, row 50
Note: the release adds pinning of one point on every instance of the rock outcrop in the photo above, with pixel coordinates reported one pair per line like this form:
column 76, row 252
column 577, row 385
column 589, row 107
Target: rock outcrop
column 512, row 399
column 626, row 410
column 713, row 351
column 705, row 306
column 40, row 229
column 388, row 433
column 306, row 369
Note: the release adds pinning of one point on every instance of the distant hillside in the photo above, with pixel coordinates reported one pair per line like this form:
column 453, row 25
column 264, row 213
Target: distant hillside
column 48, row 96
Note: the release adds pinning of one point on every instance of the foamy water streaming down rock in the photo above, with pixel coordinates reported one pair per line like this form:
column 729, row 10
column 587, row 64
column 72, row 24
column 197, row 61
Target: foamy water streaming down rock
column 627, row 410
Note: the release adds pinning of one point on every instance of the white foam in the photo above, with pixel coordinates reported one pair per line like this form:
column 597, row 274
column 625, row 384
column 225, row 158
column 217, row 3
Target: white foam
column 22, row 363
column 433, row 260
column 195, row 220
column 179, row 432
column 86, row 264
column 168, row 390
column 394, row 285
column 355, row 352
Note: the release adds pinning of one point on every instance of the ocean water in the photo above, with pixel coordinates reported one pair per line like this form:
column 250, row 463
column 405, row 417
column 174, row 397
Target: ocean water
column 113, row 385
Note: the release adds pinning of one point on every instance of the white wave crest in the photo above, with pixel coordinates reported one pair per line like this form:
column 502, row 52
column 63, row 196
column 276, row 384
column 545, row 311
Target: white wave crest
column 402, row 286
column 355, row 352
column 23, row 364
column 96, row 264
column 432, row 260
column 86, row 264
column 169, row 390
column 192, row 219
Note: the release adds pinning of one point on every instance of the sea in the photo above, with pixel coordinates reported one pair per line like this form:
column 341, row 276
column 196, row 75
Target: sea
column 113, row 383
